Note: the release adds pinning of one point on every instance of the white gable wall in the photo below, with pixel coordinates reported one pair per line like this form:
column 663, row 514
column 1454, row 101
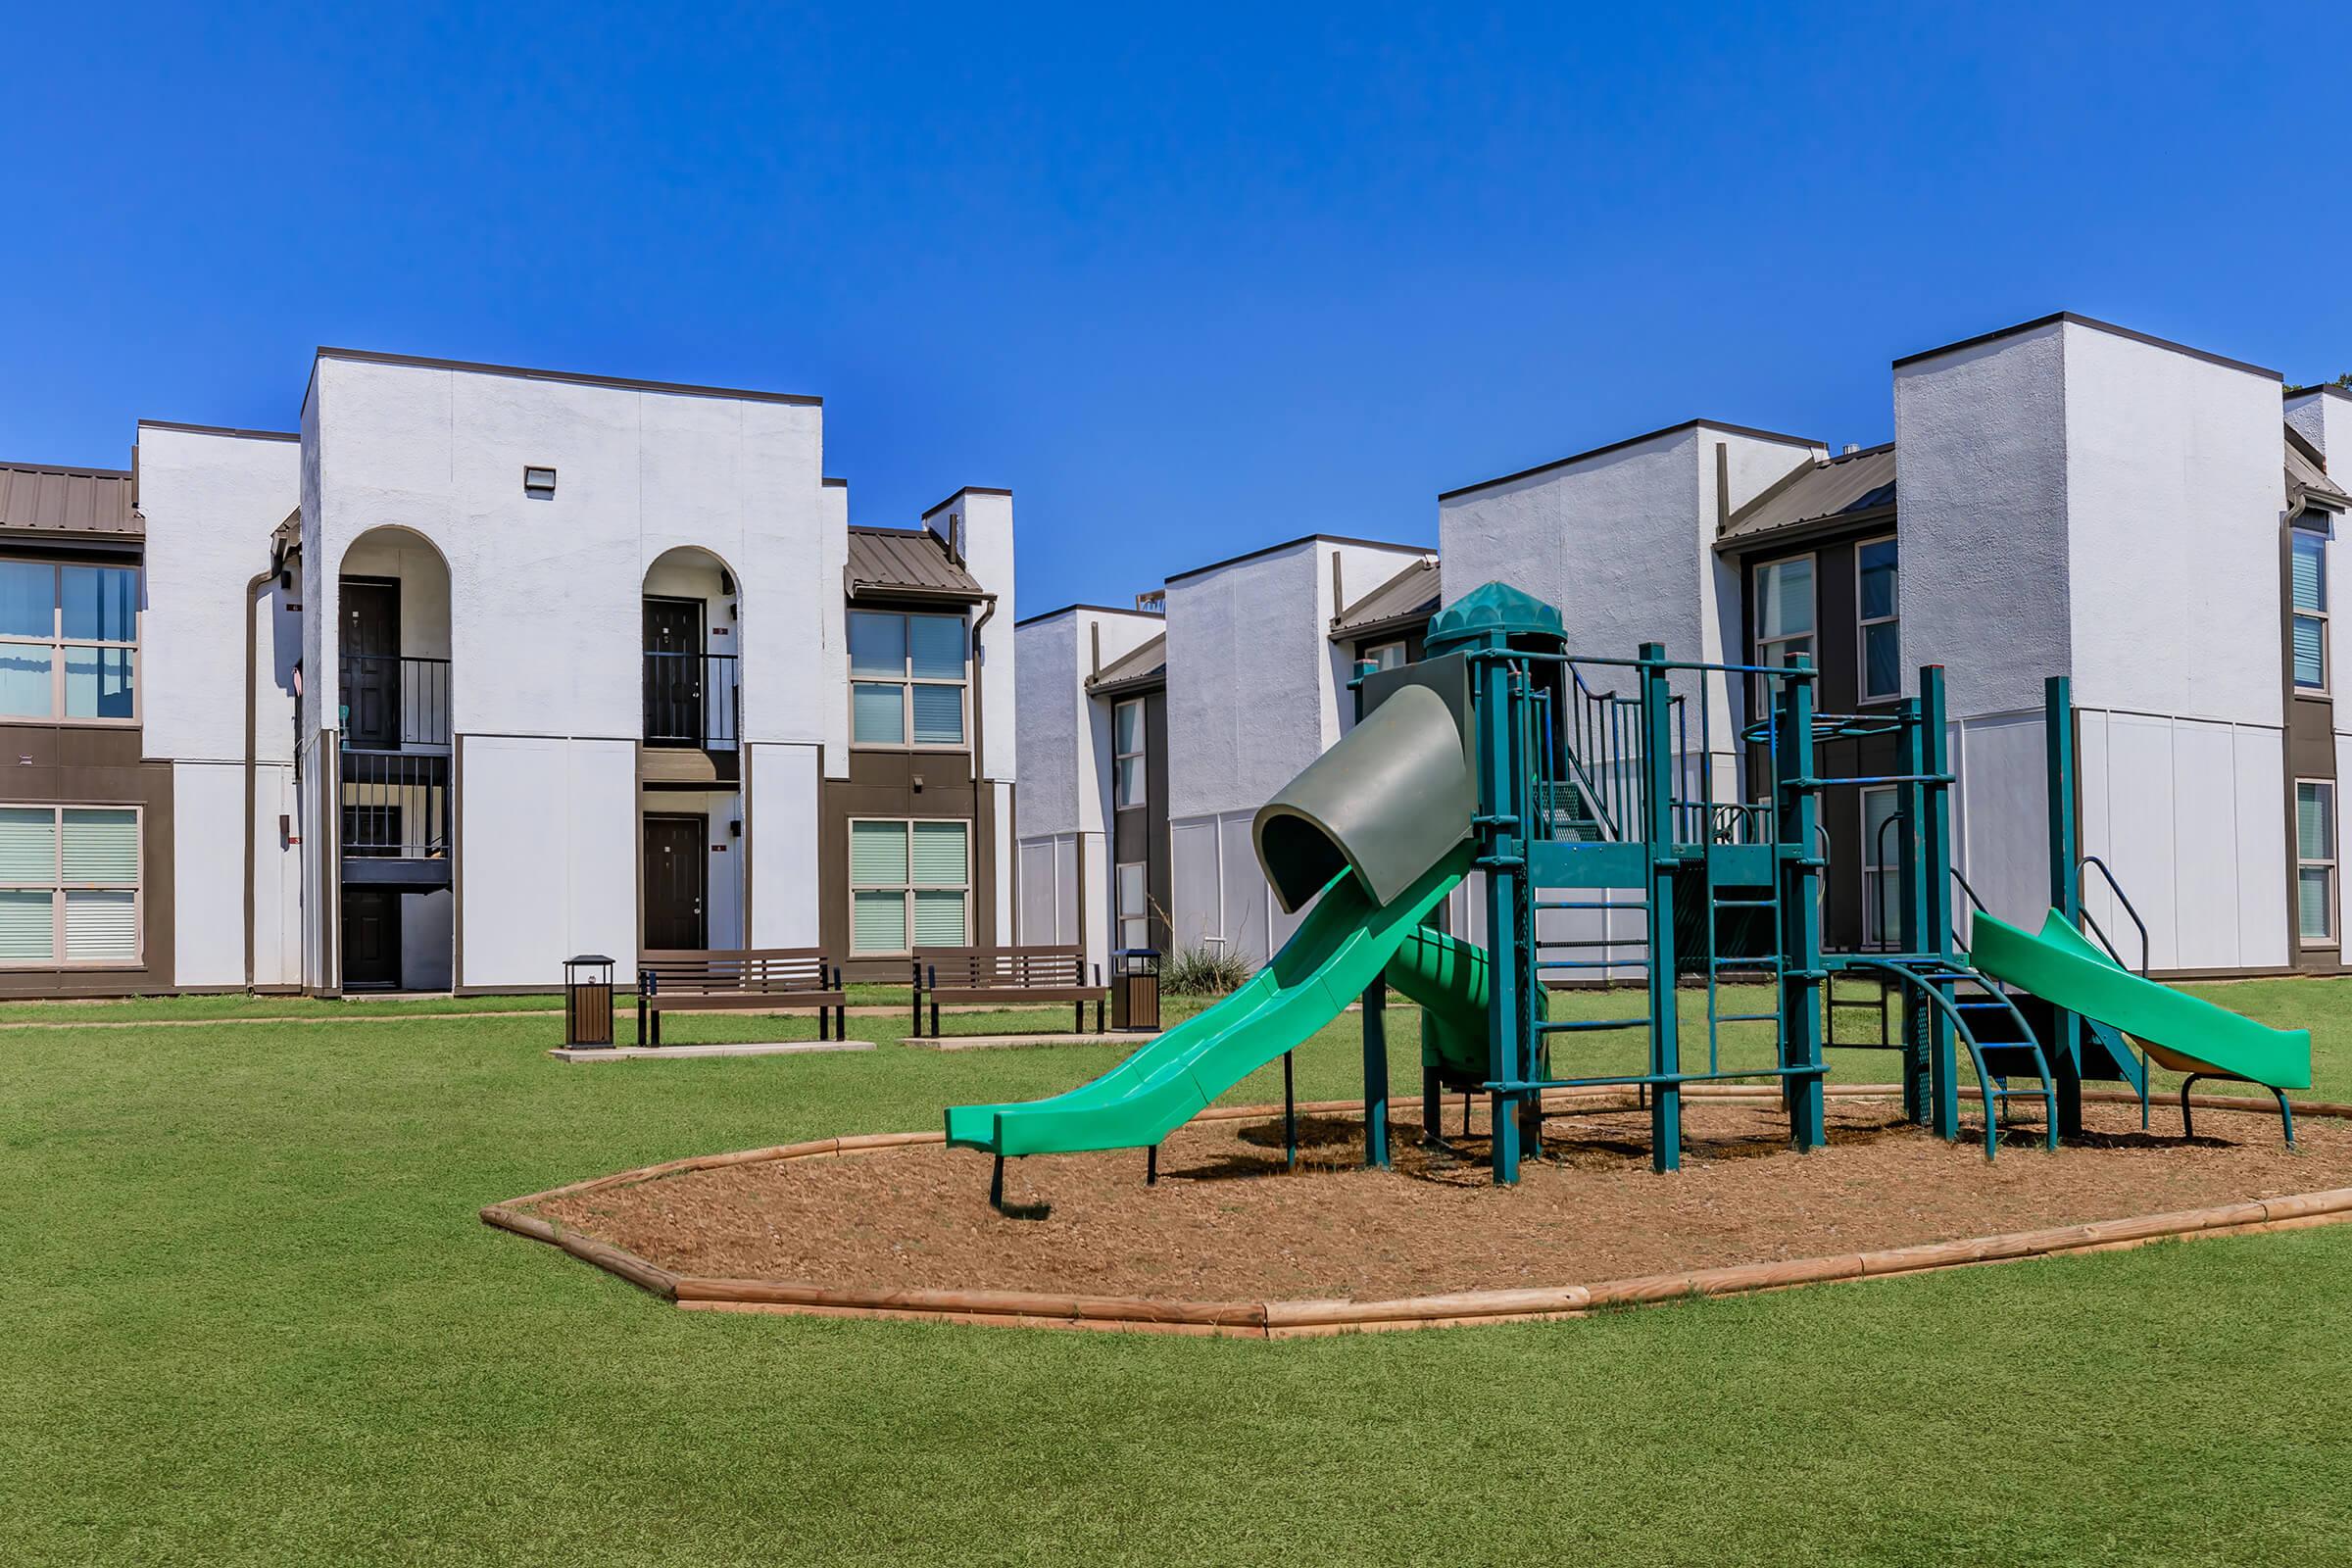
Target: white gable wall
column 545, row 614
column 1062, row 806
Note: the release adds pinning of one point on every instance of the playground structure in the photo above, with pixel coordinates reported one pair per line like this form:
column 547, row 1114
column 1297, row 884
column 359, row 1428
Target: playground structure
column 1683, row 799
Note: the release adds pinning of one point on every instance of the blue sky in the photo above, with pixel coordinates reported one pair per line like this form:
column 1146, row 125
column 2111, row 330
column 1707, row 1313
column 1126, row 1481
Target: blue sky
column 1189, row 282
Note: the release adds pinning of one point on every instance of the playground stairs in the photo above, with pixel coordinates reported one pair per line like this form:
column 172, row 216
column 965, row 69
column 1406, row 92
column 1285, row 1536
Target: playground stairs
column 2107, row 1056
column 1986, row 1018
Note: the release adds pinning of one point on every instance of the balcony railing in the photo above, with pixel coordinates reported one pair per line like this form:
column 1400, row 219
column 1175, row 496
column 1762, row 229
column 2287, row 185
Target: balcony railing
column 692, row 700
column 394, row 702
column 395, row 805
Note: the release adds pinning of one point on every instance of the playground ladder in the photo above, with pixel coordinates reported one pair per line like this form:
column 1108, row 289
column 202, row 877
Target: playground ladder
column 1940, row 983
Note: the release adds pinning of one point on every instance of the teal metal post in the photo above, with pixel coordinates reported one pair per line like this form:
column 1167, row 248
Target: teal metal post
column 1503, row 808
column 1375, row 1024
column 1657, row 833
column 1911, row 933
column 1376, row 1074
column 1799, row 807
column 2065, row 889
column 1936, row 900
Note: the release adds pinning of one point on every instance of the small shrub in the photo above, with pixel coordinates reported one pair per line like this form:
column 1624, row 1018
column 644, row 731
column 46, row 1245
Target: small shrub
column 1201, row 972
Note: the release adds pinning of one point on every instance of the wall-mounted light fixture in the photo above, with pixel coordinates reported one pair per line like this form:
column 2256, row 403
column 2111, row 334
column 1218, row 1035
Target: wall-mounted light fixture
column 735, row 828
column 538, row 481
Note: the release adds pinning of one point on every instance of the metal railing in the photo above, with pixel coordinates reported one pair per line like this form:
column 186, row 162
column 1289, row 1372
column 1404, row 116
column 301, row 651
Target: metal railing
column 2124, row 903
column 395, row 805
column 692, row 700
column 392, row 701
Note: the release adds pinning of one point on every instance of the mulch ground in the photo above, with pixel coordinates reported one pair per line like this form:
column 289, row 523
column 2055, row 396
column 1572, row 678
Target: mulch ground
column 1227, row 1222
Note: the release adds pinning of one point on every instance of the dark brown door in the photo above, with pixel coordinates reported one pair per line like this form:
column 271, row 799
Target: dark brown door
column 673, row 671
column 371, row 939
column 677, row 882
column 371, row 663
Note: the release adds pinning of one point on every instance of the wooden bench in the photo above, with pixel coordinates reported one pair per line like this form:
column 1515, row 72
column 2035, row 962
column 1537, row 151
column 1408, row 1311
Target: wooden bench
column 1008, row 976
column 690, row 981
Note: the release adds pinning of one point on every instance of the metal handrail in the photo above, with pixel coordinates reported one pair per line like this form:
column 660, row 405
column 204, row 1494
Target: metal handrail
column 692, row 698
column 419, row 691
column 395, row 805
column 1877, row 863
column 1949, row 1006
column 2116, row 888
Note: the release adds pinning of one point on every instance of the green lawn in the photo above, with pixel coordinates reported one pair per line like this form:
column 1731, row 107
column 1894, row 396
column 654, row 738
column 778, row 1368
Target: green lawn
column 249, row 1315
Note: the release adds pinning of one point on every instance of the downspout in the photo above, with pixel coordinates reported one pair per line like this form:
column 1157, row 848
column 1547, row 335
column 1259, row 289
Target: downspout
column 979, row 764
column 253, row 596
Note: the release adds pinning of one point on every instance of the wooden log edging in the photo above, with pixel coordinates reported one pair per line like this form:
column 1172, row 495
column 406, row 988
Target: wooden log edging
column 1299, row 1319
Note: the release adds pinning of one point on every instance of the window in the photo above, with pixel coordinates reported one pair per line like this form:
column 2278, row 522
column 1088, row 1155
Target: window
column 1127, row 754
column 1882, row 870
column 2315, row 860
column 1783, row 607
column 69, row 639
column 69, row 885
column 1134, row 906
column 907, row 679
column 1383, row 656
column 2309, row 576
column 1881, row 626
column 911, row 885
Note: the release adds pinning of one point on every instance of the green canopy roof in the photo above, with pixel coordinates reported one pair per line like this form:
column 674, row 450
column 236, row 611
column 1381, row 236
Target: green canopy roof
column 1492, row 611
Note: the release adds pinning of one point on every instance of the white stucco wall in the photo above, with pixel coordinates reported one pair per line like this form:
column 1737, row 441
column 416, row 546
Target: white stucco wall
column 1254, row 693
column 833, row 540
column 1061, row 804
column 545, row 614
column 2077, row 502
column 548, row 839
column 2173, row 494
column 787, row 893
column 986, row 530
column 210, row 501
column 1620, row 542
column 1981, row 434
column 546, row 593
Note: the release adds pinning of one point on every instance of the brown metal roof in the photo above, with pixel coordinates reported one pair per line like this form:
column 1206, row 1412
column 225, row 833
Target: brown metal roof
column 1858, row 486
column 906, row 560
column 62, row 500
column 1412, row 595
column 2307, row 481
column 1145, row 661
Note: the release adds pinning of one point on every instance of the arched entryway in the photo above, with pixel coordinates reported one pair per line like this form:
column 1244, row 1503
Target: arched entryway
column 690, row 772
column 396, row 834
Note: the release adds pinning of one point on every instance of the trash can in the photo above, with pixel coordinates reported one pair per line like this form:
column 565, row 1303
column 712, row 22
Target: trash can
column 1135, row 989
column 588, row 999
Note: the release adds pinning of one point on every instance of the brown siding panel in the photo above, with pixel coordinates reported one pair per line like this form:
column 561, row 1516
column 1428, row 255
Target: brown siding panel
column 53, row 764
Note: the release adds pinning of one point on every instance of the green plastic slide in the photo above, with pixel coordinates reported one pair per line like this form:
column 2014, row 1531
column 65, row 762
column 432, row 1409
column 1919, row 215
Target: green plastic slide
column 2184, row 1033
column 1339, row 949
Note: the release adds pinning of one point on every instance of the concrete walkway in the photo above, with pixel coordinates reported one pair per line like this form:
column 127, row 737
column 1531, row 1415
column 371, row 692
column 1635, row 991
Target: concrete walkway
column 993, row 1042
column 305, row 1017
column 777, row 1048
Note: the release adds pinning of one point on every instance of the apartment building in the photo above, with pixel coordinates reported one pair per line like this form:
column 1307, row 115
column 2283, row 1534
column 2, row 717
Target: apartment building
column 482, row 666
column 2065, row 497
column 1150, row 736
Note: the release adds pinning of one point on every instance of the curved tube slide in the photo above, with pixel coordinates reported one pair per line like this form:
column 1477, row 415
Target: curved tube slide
column 1374, row 833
